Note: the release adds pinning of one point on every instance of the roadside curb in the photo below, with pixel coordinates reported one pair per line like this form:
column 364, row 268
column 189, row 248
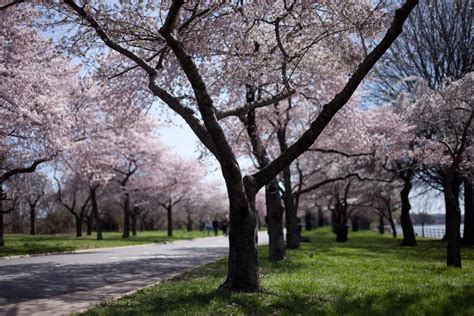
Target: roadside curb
column 69, row 252
column 44, row 254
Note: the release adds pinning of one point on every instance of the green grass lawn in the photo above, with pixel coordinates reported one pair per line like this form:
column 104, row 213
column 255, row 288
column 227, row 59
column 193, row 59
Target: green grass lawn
column 16, row 244
column 369, row 275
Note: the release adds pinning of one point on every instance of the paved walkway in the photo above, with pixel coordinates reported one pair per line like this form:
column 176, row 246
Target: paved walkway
column 66, row 283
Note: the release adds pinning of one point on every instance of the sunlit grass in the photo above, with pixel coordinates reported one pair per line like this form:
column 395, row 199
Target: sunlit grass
column 369, row 275
column 16, row 244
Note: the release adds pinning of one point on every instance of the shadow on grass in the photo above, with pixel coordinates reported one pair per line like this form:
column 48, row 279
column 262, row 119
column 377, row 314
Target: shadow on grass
column 368, row 275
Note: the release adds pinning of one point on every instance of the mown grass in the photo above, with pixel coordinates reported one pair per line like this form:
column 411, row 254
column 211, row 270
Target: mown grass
column 17, row 244
column 369, row 275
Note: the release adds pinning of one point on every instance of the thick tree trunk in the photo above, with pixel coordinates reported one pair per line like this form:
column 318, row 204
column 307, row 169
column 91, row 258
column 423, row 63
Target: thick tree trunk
column 169, row 215
column 468, row 237
column 275, row 223
column 453, row 216
column 242, row 273
column 126, row 216
column 79, row 220
column 32, row 220
column 95, row 213
column 405, row 221
column 381, row 224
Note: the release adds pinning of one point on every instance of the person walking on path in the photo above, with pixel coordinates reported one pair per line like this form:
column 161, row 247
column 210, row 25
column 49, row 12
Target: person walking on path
column 208, row 226
column 225, row 226
column 215, row 226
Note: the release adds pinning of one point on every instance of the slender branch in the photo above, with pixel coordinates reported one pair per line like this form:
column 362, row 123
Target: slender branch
column 254, row 105
column 106, row 39
column 334, row 151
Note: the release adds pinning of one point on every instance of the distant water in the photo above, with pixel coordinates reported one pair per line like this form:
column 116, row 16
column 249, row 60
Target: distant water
column 431, row 231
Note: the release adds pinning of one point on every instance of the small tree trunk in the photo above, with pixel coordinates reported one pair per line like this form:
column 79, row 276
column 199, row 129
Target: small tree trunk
column 2, row 224
column 274, row 220
column 126, row 216
column 79, row 220
column 355, row 224
column 468, row 238
column 2, row 239
column 32, row 220
column 189, row 223
column 292, row 240
column 95, row 212
column 134, row 216
column 453, row 216
column 308, row 219
column 392, row 224
column 89, row 225
column 405, row 221
column 170, row 220
column 381, row 224
column 320, row 218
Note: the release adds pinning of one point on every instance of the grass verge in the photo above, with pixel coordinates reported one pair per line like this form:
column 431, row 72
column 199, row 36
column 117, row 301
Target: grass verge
column 369, row 275
column 17, row 244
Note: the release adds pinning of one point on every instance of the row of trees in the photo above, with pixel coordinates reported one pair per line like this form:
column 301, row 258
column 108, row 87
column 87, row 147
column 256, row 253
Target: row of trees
column 95, row 138
column 275, row 82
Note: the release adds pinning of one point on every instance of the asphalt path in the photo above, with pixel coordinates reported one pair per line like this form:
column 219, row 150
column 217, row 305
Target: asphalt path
column 66, row 283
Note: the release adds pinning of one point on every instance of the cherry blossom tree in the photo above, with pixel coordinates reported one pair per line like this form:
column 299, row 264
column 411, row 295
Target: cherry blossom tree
column 169, row 57
column 36, row 87
column 33, row 187
column 445, row 119
column 442, row 52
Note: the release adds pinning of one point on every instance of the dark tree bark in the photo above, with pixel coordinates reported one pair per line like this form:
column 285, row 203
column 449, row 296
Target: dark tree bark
column 189, row 222
column 32, row 221
column 355, row 223
column 308, row 219
column 78, row 222
column 130, row 168
column 2, row 224
column 321, row 222
column 405, row 220
column 451, row 198
column 89, row 224
column 95, row 211
column 381, row 224
column 468, row 237
column 242, row 274
column 126, row 216
column 134, row 216
column 275, row 222
column 32, row 204
column 292, row 240
column 169, row 216
column 275, row 210
column 392, row 224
